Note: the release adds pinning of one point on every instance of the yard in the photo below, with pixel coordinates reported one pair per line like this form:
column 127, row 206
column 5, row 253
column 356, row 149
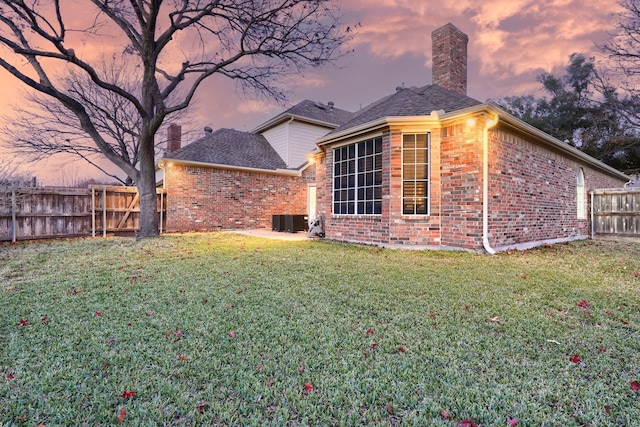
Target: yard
column 223, row 329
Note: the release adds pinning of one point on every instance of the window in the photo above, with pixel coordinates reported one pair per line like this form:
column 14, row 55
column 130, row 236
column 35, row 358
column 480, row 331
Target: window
column 357, row 178
column 580, row 199
column 415, row 174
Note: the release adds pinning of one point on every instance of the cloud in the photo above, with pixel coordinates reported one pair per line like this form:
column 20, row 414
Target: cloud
column 505, row 36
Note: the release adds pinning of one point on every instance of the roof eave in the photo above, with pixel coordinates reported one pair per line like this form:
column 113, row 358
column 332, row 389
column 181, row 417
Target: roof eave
column 439, row 119
column 162, row 164
column 287, row 117
column 372, row 126
column 552, row 142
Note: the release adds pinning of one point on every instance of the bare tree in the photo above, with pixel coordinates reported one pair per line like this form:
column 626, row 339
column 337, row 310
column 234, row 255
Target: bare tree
column 176, row 44
column 11, row 179
column 41, row 126
column 624, row 46
column 10, row 174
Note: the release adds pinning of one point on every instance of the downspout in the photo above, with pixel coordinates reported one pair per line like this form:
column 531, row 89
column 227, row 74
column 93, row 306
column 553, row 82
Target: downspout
column 490, row 121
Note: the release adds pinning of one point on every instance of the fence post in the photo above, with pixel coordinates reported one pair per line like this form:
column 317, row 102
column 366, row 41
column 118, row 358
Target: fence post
column 13, row 215
column 104, row 211
column 593, row 233
column 161, row 210
column 93, row 212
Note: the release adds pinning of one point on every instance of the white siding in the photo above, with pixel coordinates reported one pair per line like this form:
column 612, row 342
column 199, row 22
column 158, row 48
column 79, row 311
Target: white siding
column 293, row 141
column 278, row 138
column 302, row 139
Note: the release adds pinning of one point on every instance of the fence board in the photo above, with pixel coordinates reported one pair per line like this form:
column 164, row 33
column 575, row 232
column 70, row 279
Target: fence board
column 615, row 213
column 35, row 213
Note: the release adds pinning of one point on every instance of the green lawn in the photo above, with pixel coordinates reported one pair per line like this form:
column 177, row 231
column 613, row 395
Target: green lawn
column 223, row 329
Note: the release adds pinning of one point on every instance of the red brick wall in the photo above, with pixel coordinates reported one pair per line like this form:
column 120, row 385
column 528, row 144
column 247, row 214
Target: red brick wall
column 461, row 175
column 201, row 198
column 533, row 192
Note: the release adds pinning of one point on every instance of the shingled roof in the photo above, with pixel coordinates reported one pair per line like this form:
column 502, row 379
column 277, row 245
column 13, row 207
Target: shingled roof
column 311, row 111
column 233, row 148
column 413, row 101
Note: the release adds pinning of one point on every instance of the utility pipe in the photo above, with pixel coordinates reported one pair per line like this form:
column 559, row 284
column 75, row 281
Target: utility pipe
column 489, row 122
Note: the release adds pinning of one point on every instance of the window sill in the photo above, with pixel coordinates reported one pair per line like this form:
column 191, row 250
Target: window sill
column 356, row 216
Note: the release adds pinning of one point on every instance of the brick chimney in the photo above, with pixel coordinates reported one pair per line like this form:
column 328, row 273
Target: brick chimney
column 174, row 138
column 449, row 64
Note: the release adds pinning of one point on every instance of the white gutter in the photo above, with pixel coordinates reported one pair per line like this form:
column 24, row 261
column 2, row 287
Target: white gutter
column 432, row 120
column 281, row 119
column 441, row 119
column 490, row 121
column 553, row 143
column 162, row 164
column 353, row 131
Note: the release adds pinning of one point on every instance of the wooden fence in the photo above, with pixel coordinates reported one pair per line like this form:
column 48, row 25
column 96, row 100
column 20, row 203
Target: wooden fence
column 615, row 214
column 37, row 213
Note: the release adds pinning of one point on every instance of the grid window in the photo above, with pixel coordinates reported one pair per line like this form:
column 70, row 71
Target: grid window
column 357, row 178
column 415, row 174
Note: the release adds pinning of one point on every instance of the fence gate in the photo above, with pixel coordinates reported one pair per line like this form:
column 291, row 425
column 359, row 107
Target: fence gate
column 615, row 214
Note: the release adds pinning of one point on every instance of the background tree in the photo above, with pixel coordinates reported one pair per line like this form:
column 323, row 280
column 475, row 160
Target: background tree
column 583, row 108
column 10, row 179
column 624, row 46
column 176, row 45
column 623, row 50
column 9, row 175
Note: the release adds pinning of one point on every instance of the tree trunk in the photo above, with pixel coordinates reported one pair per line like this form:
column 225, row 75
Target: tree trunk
column 146, row 184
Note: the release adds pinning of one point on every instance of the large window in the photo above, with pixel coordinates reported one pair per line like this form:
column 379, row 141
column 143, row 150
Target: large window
column 415, row 174
column 580, row 196
column 357, row 178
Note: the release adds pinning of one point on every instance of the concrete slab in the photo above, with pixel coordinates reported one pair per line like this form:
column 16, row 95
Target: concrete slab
column 269, row 234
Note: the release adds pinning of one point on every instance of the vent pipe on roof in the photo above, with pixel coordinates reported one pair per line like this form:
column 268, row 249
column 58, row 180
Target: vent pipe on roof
column 207, row 130
column 330, row 104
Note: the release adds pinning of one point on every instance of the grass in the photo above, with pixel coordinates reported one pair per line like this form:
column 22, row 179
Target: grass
column 323, row 334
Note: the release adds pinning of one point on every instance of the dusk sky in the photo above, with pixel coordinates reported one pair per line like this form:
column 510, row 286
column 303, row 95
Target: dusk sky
column 511, row 42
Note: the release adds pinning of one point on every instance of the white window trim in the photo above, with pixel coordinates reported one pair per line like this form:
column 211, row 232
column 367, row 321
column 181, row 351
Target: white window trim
column 333, row 176
column 428, row 176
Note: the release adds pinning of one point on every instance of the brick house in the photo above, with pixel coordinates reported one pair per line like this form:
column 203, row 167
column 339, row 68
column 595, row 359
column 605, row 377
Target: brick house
column 425, row 167
column 231, row 179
